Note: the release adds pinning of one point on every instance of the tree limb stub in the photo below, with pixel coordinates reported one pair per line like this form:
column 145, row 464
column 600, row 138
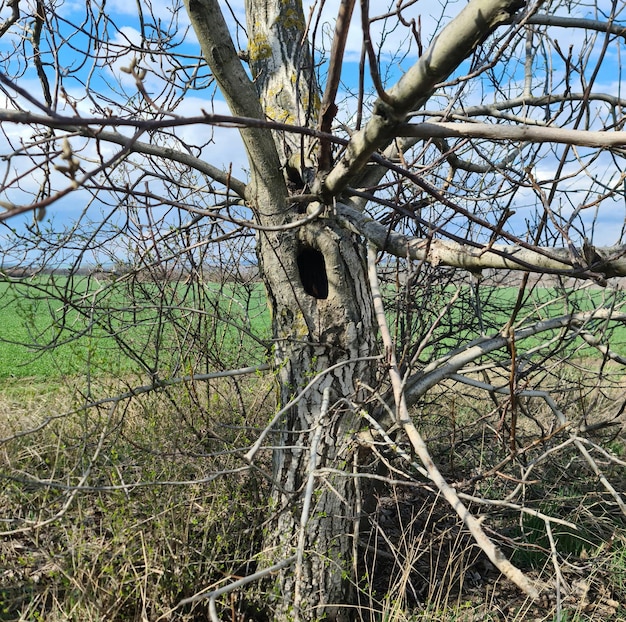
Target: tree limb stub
column 448, row 50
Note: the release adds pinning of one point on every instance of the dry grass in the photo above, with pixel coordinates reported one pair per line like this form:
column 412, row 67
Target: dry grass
column 421, row 564
column 154, row 522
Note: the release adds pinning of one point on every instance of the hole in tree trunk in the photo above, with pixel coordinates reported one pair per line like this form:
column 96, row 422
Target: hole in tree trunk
column 312, row 269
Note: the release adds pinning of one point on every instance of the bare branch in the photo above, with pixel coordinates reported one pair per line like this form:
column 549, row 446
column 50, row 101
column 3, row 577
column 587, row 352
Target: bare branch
column 213, row 595
column 495, row 109
column 456, row 41
column 238, row 90
column 611, row 262
column 442, row 368
column 84, row 127
column 40, row 18
column 15, row 15
column 474, row 526
column 329, row 108
column 560, row 21
column 524, row 133
column 308, row 495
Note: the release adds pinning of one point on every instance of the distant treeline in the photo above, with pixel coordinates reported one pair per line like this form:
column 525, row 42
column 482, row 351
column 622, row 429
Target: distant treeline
column 511, row 278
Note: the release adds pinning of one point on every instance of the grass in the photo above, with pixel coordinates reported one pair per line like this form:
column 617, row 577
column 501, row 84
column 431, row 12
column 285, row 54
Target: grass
column 135, row 542
column 154, row 522
column 466, row 433
column 54, row 326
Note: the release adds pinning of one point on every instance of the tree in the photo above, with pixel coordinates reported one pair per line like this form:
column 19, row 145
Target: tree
column 335, row 191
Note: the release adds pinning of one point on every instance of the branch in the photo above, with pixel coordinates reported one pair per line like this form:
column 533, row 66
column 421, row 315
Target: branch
column 450, row 364
column 217, row 174
column 329, row 108
column 212, row 596
column 449, row 49
column 321, row 423
column 610, row 261
column 495, row 108
column 83, row 127
column 39, row 19
column 474, row 526
column 373, row 174
column 15, row 15
column 541, row 19
column 574, row 437
column 524, row 133
column 140, row 390
column 282, row 69
column 238, row 90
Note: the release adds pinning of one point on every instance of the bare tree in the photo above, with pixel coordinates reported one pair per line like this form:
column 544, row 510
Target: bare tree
column 485, row 145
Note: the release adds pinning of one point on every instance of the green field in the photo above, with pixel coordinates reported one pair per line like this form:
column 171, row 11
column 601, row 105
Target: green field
column 58, row 326
column 53, row 326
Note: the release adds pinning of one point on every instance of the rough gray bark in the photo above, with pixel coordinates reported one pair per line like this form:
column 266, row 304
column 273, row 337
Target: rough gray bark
column 282, row 68
column 312, row 335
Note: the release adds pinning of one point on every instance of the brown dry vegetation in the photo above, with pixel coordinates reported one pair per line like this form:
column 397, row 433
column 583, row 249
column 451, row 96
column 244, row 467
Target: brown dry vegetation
column 151, row 525
column 167, row 508
column 436, row 570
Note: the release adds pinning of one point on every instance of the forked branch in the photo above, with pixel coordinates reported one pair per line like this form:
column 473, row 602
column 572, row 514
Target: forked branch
column 449, row 49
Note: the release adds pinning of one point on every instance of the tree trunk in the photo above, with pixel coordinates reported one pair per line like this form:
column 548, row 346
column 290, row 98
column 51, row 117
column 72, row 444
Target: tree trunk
column 321, row 303
column 322, row 317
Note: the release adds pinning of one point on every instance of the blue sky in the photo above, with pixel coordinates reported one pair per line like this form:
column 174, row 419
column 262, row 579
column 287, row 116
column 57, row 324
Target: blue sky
column 222, row 146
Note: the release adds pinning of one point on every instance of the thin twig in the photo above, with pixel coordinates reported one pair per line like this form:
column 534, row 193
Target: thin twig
column 308, row 495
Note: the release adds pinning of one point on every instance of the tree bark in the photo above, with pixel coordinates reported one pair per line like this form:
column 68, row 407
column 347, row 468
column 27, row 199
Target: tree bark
column 318, row 325
column 282, row 69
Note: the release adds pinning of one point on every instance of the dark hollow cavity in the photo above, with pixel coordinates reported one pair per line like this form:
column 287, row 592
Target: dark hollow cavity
column 312, row 267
